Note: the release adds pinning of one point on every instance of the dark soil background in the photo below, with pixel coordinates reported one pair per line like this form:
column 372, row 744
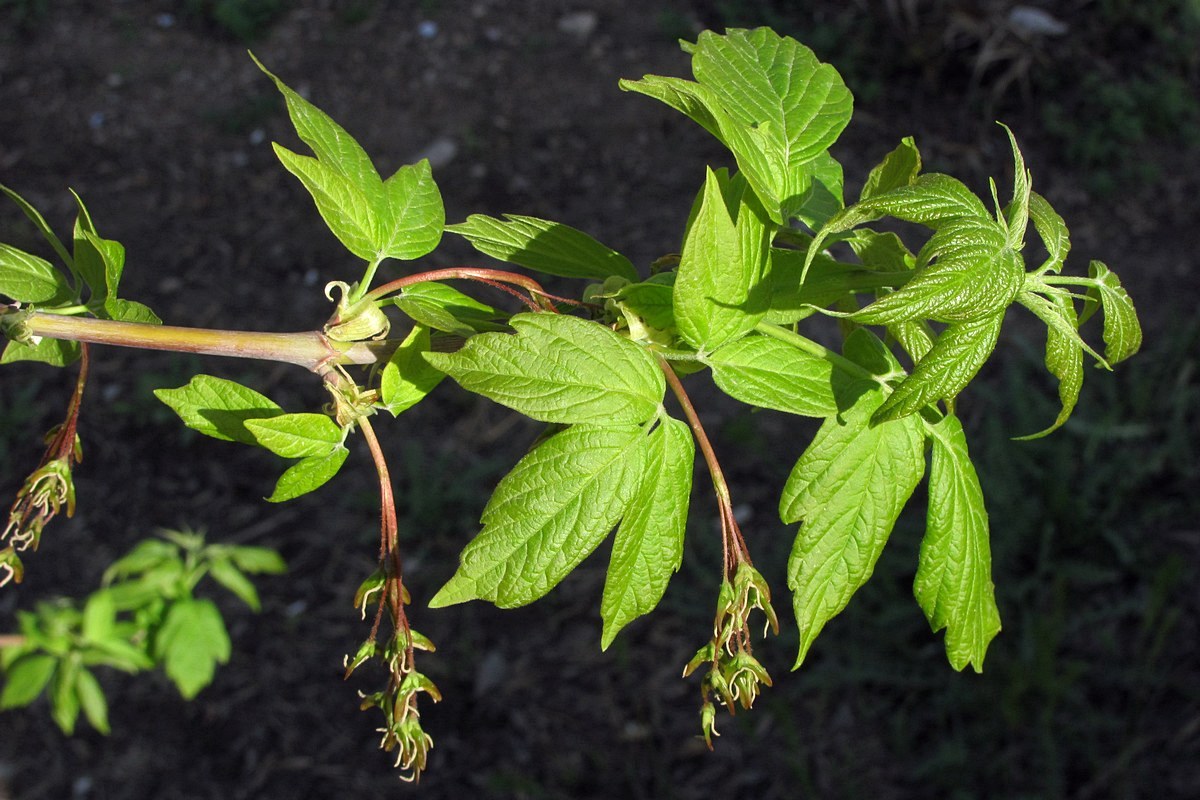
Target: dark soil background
column 153, row 112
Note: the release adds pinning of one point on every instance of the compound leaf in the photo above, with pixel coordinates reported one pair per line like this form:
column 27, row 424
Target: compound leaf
column 648, row 547
column 954, row 575
column 190, row 643
column 544, row 246
column 548, row 514
column 847, row 489
column 219, row 408
column 559, row 368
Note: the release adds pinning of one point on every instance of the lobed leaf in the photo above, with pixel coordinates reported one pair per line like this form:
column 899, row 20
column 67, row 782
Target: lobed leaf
column 543, row 246
column 847, row 489
column 954, row 574
column 554, row 508
column 1064, row 359
column 648, row 547
column 559, row 368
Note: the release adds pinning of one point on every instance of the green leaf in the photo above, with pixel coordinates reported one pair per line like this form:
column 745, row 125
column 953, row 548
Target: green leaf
column 1064, row 359
column 257, row 560
column 898, row 168
column 411, row 217
column 130, row 311
column 650, row 301
column 226, row 573
column 946, row 369
column 343, row 205
column 1055, row 318
column 1122, row 331
column 824, row 196
column 40, row 223
column 297, row 435
column 118, row 653
column 336, row 148
column 954, row 575
column 111, row 255
column 559, row 368
column 973, row 274
column 444, row 308
column 847, row 490
column 884, row 252
column 28, row 279
column 92, row 700
column 146, row 555
column 1016, row 215
column 64, row 695
column 407, row 376
column 99, row 616
column 719, row 270
column 309, row 473
column 25, row 679
column 219, row 408
column 190, row 643
column 548, row 514
column 648, row 547
column 766, row 372
column 544, row 246
column 55, row 352
column 776, row 88
column 1052, row 230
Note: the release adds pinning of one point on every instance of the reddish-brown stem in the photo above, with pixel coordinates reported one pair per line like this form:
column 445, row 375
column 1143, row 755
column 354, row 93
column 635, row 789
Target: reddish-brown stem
column 489, row 276
column 63, row 445
column 734, row 545
column 389, row 540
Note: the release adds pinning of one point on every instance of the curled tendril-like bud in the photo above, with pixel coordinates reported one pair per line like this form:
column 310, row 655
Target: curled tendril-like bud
column 48, row 490
column 11, row 568
column 708, row 722
column 402, row 730
column 354, row 322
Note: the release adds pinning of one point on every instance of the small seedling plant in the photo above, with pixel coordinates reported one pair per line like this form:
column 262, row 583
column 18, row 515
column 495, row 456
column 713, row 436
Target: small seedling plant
column 770, row 243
